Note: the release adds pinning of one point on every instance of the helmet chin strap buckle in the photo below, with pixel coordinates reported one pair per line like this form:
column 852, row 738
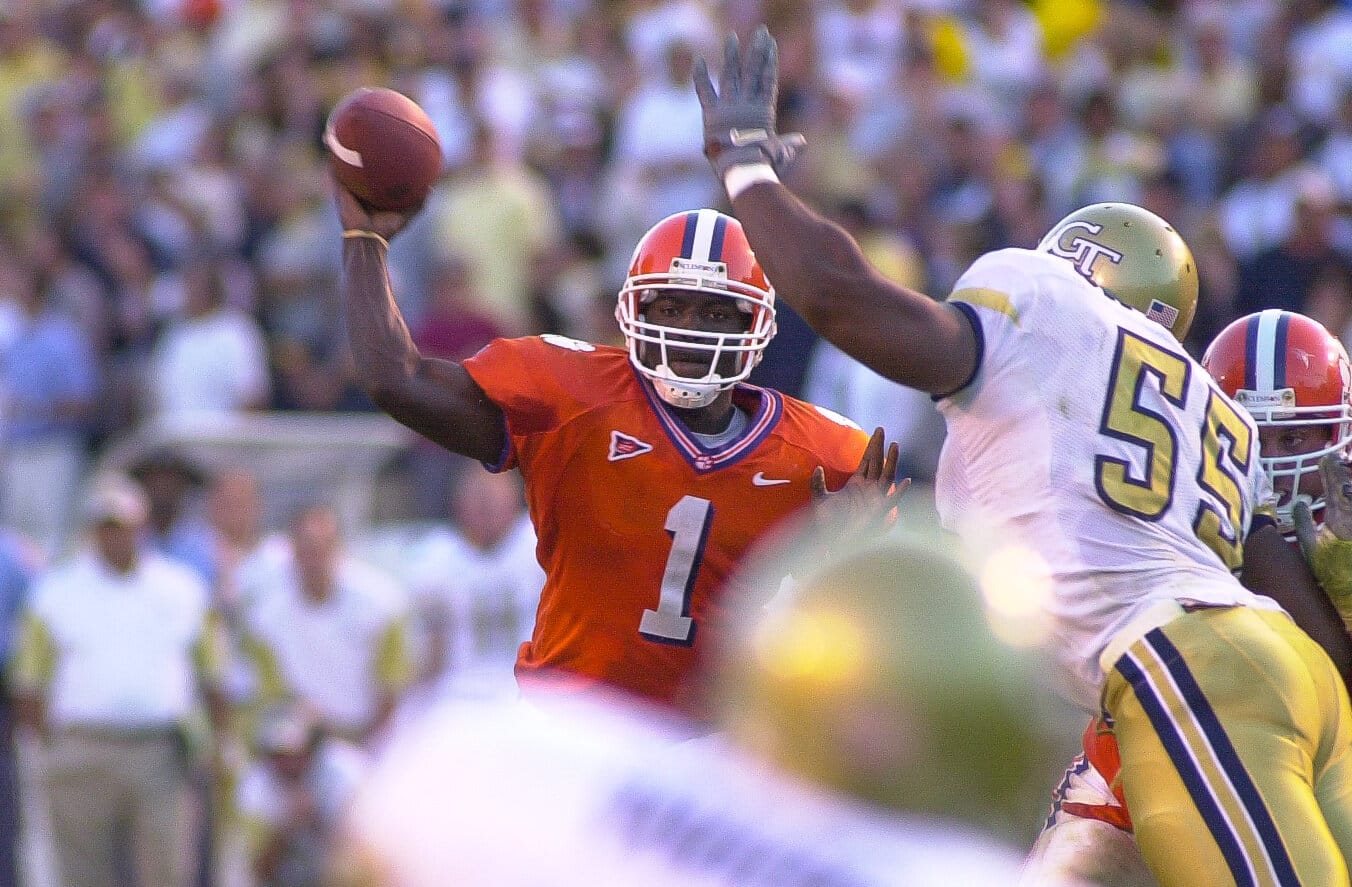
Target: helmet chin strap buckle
column 685, row 393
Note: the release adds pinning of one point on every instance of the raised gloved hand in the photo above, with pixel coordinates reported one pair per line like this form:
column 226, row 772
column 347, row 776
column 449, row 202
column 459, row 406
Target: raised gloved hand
column 1328, row 548
column 739, row 118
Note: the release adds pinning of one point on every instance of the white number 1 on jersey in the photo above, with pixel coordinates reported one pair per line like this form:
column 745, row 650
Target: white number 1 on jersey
column 688, row 523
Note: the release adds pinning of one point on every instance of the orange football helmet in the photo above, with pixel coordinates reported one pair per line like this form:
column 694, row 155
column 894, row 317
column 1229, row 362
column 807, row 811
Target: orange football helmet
column 1287, row 371
column 697, row 251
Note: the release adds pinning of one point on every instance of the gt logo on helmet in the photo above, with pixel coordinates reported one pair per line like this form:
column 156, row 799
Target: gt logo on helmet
column 1082, row 251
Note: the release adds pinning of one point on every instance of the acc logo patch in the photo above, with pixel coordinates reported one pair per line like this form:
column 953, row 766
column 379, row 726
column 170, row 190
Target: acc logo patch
column 622, row 446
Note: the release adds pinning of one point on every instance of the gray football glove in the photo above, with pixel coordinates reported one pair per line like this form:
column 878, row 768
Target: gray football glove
column 1328, row 548
column 739, row 118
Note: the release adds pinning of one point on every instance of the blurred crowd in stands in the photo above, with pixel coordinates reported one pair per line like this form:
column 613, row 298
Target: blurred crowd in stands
column 168, row 247
column 196, row 696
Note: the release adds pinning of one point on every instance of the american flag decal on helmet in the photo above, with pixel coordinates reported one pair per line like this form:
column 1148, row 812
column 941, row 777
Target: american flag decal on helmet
column 1163, row 314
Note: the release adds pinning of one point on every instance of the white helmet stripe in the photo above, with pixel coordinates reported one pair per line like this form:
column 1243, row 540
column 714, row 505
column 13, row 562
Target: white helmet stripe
column 1265, row 357
column 705, row 222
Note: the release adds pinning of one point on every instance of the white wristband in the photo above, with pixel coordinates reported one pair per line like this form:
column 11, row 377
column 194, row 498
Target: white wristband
column 738, row 178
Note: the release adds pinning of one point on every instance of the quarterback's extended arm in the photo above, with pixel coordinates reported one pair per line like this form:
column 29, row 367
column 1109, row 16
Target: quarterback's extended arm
column 815, row 265
column 436, row 398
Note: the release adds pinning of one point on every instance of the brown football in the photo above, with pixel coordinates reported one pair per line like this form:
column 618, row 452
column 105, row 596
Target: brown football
column 383, row 148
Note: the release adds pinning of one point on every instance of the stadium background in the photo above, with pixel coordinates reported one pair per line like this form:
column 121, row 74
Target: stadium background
column 165, row 219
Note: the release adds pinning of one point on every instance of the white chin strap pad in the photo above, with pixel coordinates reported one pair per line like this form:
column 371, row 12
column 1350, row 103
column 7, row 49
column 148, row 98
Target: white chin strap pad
column 683, row 394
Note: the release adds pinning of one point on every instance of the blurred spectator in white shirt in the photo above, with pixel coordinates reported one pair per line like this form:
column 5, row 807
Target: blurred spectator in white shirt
column 117, row 659
column 655, row 24
column 659, row 147
column 331, row 632
column 477, row 587
column 246, row 560
column 1004, row 47
column 1320, row 57
column 212, row 361
column 463, row 81
column 864, row 35
column 1257, row 213
column 293, row 796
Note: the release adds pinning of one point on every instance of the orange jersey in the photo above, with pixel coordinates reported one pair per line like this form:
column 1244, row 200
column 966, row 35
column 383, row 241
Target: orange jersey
column 1092, row 785
column 639, row 524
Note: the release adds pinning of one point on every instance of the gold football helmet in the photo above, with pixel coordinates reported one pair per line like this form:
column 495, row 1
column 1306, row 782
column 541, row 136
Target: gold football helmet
column 1132, row 255
column 890, row 670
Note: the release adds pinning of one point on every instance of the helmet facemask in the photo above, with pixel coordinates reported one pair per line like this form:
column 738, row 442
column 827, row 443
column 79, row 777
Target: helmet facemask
column 1268, row 413
column 747, row 347
column 1292, row 376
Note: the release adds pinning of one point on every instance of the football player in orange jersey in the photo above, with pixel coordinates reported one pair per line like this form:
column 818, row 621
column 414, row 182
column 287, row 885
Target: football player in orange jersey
column 649, row 470
column 1294, row 377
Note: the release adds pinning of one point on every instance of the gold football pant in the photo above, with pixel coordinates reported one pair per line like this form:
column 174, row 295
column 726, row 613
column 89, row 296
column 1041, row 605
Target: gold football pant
column 1234, row 730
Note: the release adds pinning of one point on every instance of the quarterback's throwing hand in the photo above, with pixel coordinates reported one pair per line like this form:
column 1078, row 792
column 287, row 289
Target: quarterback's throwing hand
column 868, row 501
column 739, row 117
column 357, row 216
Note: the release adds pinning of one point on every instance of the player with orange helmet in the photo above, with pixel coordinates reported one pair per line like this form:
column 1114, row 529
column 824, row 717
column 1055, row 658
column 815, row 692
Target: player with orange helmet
column 695, row 252
column 1294, row 378
column 649, row 471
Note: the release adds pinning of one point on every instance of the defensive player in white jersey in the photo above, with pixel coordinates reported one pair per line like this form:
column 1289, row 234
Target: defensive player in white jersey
column 850, row 756
column 1078, row 424
column 1294, row 378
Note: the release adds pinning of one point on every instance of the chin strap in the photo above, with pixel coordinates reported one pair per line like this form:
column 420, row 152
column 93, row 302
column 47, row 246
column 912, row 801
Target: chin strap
column 684, row 394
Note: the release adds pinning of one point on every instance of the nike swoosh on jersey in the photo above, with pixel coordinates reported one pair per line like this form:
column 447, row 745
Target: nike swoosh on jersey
column 760, row 480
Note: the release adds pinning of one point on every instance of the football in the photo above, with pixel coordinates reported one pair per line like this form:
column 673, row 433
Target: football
column 383, row 148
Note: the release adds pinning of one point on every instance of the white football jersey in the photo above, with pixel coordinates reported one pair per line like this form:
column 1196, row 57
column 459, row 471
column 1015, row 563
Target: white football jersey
column 508, row 795
column 1091, row 438
column 485, row 603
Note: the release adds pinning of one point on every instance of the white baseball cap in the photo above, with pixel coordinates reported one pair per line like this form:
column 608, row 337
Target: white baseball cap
column 116, row 499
